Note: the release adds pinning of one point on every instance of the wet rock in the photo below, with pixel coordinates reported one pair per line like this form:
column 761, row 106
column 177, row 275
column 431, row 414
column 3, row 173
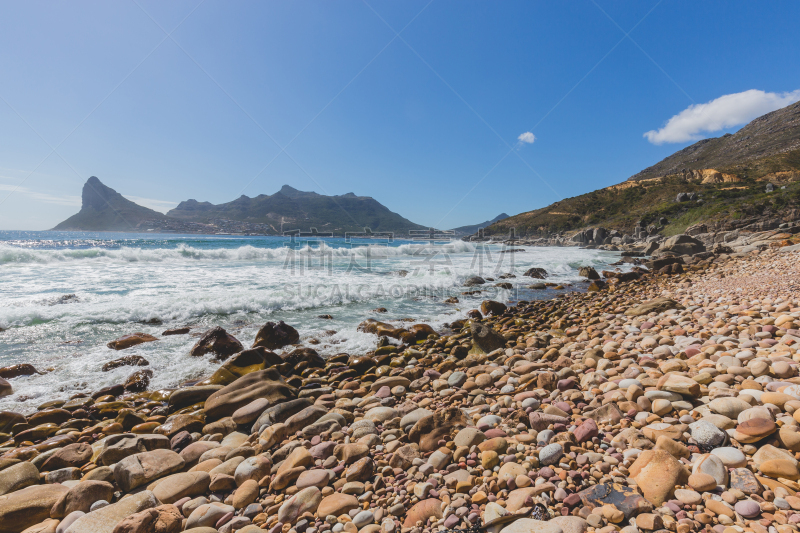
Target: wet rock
column 127, row 341
column 216, row 341
column 266, row 384
column 138, row 381
column 127, row 360
column 276, row 335
column 14, row 371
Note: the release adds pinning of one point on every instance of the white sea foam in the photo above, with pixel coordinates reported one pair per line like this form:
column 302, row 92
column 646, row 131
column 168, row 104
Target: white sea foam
column 121, row 285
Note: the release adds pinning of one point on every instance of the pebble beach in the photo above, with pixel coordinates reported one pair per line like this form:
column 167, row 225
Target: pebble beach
column 653, row 402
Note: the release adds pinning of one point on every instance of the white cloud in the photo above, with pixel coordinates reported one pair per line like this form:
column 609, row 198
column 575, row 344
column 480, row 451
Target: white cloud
column 162, row 206
column 526, row 138
column 725, row 112
column 74, row 201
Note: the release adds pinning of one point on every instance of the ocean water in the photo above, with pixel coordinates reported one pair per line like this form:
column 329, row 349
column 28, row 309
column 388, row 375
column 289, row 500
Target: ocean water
column 65, row 295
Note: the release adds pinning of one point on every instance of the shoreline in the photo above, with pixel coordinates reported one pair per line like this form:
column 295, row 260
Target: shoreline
column 666, row 401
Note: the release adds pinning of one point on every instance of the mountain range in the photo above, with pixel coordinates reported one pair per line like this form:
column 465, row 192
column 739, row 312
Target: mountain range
column 104, row 209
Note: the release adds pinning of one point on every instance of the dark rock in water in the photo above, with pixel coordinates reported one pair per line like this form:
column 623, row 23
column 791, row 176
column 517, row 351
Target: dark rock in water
column 624, row 498
column 152, row 321
column 491, row 307
column 326, row 317
column 361, row 363
column 243, row 363
column 23, row 369
column 217, row 341
column 380, row 310
column 419, row 332
column 485, row 339
column 262, row 384
column 177, row 331
column 302, row 358
column 474, row 314
column 402, row 273
column 126, row 341
column 474, row 280
column 66, row 299
column 112, row 390
column 537, row 286
column 138, row 381
column 596, row 285
column 5, row 388
column 127, row 360
column 536, row 272
column 506, row 286
column 588, row 272
column 451, row 300
column 273, row 336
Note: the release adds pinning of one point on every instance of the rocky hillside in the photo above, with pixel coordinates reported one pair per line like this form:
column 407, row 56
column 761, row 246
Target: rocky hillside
column 768, row 144
column 729, row 177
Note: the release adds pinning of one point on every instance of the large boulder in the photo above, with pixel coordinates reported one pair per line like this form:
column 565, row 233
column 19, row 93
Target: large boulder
column 217, row 341
column 536, row 273
column 262, row 384
column 444, row 423
column 681, row 245
column 29, row 506
column 17, row 477
column 186, row 396
column 657, row 305
column 485, row 339
column 77, row 455
column 81, row 497
column 105, row 519
column 243, row 363
column 142, row 468
column 273, row 336
column 117, row 447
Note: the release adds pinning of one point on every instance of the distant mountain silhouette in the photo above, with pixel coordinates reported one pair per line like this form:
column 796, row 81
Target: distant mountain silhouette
column 469, row 230
column 104, row 209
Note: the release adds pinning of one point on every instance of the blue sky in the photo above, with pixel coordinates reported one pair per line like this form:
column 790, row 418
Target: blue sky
column 166, row 101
